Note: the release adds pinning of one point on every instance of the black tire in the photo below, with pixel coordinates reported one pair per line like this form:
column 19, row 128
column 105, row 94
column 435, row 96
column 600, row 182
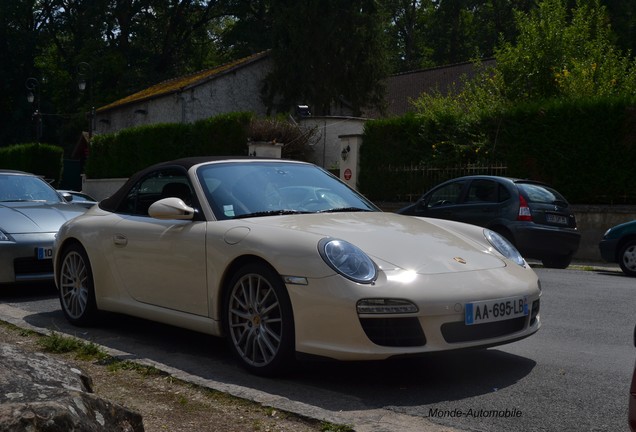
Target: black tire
column 76, row 287
column 258, row 320
column 627, row 258
column 558, row 261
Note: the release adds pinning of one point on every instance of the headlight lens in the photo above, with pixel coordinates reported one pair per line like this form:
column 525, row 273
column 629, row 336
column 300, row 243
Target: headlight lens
column 348, row 260
column 504, row 247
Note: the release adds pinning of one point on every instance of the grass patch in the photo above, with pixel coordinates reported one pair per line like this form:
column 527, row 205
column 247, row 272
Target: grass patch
column 330, row 427
column 19, row 330
column 114, row 365
column 58, row 344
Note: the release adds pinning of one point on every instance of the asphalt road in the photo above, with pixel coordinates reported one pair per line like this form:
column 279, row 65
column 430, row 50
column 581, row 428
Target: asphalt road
column 573, row 375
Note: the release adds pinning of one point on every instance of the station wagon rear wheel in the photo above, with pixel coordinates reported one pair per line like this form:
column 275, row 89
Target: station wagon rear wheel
column 76, row 289
column 627, row 258
column 258, row 320
column 557, row 261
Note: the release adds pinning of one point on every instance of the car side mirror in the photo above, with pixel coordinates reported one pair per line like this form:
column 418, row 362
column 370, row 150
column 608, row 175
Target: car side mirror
column 171, row 208
column 67, row 196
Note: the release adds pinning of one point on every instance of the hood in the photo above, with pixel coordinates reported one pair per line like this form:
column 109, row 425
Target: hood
column 35, row 217
column 423, row 245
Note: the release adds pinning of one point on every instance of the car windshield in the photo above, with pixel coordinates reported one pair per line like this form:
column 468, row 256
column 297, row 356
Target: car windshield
column 542, row 194
column 17, row 187
column 255, row 188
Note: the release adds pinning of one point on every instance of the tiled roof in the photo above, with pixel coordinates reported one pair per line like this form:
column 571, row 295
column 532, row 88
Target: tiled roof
column 402, row 88
column 183, row 83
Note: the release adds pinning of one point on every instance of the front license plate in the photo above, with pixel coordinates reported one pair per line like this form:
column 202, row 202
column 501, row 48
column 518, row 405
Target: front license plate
column 44, row 253
column 557, row 219
column 496, row 310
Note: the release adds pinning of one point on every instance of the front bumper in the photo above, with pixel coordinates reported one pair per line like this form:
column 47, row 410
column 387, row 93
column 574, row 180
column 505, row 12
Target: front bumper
column 327, row 323
column 19, row 261
column 607, row 247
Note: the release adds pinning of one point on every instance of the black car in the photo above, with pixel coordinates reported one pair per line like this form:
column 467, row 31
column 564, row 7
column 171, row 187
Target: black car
column 534, row 217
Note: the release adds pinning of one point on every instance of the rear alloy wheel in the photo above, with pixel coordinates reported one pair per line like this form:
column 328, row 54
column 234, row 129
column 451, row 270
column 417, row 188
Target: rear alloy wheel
column 76, row 289
column 627, row 258
column 258, row 320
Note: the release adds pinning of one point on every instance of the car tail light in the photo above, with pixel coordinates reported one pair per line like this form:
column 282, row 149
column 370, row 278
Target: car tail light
column 524, row 210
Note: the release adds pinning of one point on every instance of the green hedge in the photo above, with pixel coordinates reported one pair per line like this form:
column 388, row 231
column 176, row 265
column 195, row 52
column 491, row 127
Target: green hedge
column 130, row 150
column 41, row 159
column 389, row 144
column 585, row 148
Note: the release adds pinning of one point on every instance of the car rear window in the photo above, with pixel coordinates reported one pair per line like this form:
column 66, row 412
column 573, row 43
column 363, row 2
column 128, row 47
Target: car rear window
column 535, row 193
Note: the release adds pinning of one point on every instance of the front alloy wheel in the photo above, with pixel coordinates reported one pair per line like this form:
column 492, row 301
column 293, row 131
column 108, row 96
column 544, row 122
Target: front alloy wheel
column 259, row 320
column 627, row 258
column 77, row 294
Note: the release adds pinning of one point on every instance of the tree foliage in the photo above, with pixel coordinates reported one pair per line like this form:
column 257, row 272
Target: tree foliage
column 564, row 52
column 326, row 53
column 559, row 53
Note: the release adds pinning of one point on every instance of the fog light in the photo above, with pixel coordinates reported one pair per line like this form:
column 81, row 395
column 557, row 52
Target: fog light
column 385, row 306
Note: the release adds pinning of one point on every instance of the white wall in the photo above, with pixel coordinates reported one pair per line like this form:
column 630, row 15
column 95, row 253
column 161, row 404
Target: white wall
column 326, row 142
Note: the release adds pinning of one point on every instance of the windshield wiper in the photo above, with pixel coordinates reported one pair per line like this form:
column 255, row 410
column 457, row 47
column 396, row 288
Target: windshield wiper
column 344, row 210
column 270, row 213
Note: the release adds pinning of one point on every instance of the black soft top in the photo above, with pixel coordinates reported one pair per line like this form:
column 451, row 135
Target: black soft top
column 112, row 203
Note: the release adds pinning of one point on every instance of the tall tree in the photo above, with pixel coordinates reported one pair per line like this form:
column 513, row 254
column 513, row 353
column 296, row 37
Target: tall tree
column 20, row 36
column 563, row 52
column 247, row 29
column 623, row 16
column 123, row 46
column 407, row 21
column 327, row 52
column 452, row 31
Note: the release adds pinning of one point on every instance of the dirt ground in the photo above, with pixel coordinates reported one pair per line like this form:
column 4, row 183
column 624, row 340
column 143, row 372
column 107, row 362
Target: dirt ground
column 170, row 405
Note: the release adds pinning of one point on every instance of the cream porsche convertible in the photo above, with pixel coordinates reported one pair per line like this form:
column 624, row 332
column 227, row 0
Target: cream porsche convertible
column 283, row 259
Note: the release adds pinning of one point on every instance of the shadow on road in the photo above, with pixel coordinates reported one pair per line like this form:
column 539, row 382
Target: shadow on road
column 333, row 386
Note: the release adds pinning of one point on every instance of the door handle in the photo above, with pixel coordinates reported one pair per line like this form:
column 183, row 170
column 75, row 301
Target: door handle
column 120, row 240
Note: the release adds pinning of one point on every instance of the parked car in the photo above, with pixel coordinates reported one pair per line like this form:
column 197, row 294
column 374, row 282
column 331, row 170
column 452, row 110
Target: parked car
column 632, row 397
column 78, row 198
column 281, row 257
column 31, row 212
column 618, row 245
column 533, row 216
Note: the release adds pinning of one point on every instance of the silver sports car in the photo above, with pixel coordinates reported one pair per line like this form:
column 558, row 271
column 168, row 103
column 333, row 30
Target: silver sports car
column 282, row 258
column 31, row 212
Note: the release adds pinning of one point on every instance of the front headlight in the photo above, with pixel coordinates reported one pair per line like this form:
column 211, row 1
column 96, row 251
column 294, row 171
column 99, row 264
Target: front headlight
column 348, row 260
column 504, row 247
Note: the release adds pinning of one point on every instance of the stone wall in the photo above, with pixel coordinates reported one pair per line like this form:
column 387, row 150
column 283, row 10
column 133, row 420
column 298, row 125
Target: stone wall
column 593, row 221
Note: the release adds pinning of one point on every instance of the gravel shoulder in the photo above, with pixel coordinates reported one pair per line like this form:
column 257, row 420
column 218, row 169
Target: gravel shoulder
column 168, row 404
